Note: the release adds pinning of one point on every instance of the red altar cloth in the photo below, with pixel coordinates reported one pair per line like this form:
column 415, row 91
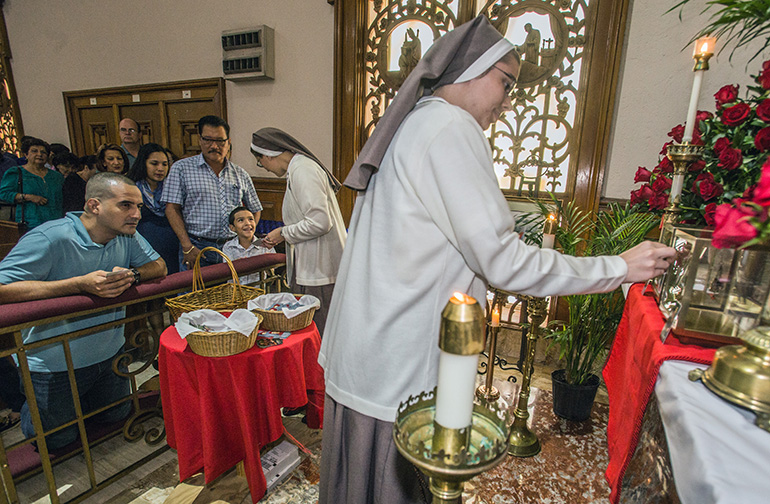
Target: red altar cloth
column 221, row 410
column 630, row 376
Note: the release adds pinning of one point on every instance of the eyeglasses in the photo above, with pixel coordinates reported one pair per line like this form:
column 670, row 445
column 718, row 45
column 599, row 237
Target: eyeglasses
column 128, row 130
column 219, row 141
column 508, row 86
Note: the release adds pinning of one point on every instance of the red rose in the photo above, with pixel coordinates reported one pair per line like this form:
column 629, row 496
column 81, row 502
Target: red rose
column 764, row 78
column 730, row 159
column 664, row 150
column 721, row 144
column 733, row 227
column 727, row 94
column 706, row 186
column 642, row 174
column 658, row 201
column 762, row 139
column 636, row 197
column 676, row 133
column 661, row 184
column 708, row 214
column 665, row 165
column 702, row 115
column 697, row 166
column 735, row 115
column 761, row 193
column 763, row 110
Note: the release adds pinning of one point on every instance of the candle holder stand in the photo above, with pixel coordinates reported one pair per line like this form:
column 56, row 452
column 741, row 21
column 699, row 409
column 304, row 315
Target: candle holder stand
column 522, row 442
column 489, row 392
column 682, row 155
column 449, row 457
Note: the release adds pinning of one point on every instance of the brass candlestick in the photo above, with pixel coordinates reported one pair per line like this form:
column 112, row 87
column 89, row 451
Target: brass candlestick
column 452, row 455
column 681, row 156
column 488, row 392
column 522, row 441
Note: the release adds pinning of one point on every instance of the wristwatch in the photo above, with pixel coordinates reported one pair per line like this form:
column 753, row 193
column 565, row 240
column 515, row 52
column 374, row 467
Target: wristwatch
column 137, row 276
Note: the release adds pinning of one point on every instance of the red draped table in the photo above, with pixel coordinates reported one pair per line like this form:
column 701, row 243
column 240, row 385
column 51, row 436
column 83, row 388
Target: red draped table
column 221, row 410
column 630, row 375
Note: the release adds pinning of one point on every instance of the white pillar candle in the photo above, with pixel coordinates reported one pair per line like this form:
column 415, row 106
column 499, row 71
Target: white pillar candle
column 549, row 232
column 456, row 388
column 676, row 187
column 693, row 109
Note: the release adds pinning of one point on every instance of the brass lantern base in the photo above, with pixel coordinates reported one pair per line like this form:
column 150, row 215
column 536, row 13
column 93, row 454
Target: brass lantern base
column 741, row 374
column 413, row 432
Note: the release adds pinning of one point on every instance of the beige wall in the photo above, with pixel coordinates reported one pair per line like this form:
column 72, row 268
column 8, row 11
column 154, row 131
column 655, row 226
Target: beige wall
column 68, row 45
column 655, row 86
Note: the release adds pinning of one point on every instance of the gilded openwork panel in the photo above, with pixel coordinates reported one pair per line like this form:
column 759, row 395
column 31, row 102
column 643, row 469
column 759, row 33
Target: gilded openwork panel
column 399, row 33
column 531, row 143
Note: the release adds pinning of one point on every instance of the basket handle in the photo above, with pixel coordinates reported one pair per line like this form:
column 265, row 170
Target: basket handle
column 197, row 283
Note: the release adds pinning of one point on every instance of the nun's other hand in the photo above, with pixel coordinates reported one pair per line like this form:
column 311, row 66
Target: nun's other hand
column 273, row 238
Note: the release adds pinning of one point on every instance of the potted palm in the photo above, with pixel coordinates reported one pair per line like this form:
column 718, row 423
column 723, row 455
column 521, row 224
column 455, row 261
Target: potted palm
column 583, row 339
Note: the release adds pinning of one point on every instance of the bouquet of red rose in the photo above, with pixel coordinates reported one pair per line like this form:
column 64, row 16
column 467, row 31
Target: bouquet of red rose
column 744, row 222
column 736, row 144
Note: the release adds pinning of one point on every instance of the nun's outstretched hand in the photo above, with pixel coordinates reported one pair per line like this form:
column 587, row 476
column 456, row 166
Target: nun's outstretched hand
column 647, row 260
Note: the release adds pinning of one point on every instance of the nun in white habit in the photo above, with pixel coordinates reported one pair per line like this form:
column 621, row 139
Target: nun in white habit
column 430, row 220
column 313, row 229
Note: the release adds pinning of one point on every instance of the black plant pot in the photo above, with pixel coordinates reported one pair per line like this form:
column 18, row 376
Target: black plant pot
column 573, row 402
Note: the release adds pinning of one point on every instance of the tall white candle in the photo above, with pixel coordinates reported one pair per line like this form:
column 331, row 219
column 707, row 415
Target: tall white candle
column 456, row 387
column 692, row 111
column 676, row 187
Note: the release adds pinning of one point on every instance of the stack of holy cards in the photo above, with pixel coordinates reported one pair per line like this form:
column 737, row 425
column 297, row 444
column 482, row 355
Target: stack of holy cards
column 263, row 333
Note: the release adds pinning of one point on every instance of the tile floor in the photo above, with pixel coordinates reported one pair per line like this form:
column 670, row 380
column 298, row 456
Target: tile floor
column 569, row 469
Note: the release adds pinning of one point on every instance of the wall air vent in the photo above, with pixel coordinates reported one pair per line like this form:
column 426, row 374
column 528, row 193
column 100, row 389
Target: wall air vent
column 248, row 54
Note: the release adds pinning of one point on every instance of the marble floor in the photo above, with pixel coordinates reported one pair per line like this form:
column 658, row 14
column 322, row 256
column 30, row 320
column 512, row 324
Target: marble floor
column 569, row 469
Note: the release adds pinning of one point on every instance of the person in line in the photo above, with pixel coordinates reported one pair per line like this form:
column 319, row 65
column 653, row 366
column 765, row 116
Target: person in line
column 313, row 227
column 98, row 252
column 430, row 220
column 201, row 191
column 149, row 172
column 75, row 184
column 246, row 243
column 130, row 138
column 36, row 190
column 112, row 158
column 65, row 163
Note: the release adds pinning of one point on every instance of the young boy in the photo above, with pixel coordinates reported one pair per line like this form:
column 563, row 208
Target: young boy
column 243, row 223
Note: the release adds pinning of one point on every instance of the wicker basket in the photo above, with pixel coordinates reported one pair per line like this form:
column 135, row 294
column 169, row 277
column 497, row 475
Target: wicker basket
column 222, row 344
column 225, row 297
column 276, row 321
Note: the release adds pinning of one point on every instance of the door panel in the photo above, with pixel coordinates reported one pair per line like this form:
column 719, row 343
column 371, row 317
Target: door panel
column 183, row 126
column 147, row 116
column 97, row 127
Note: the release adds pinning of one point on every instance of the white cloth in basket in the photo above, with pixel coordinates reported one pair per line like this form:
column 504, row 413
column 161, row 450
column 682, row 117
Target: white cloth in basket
column 240, row 320
column 267, row 301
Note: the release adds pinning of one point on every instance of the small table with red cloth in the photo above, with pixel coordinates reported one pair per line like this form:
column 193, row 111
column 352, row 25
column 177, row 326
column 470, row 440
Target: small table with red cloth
column 221, row 410
column 630, row 375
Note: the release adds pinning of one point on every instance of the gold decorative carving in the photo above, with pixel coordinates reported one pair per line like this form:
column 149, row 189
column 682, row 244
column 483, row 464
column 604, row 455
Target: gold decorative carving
column 531, row 143
column 99, row 134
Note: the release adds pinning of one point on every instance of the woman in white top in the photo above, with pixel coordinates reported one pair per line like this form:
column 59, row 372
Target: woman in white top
column 313, row 228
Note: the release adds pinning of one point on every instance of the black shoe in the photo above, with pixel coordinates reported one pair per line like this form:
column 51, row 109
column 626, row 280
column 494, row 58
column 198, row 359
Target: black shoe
column 8, row 422
column 294, row 411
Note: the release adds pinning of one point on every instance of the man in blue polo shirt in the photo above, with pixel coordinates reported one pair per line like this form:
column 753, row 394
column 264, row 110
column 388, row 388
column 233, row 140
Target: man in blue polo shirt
column 98, row 252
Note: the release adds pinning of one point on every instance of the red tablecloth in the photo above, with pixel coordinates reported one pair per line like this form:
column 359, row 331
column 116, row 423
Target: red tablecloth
column 221, row 410
column 630, row 375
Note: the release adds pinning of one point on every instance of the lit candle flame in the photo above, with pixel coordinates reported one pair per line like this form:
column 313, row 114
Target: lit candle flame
column 704, row 48
column 459, row 297
column 495, row 317
column 551, row 217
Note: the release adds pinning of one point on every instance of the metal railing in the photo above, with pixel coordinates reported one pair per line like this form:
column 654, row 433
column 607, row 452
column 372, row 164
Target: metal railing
column 144, row 321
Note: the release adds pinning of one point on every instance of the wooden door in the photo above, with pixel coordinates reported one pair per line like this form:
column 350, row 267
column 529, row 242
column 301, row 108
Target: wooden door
column 167, row 113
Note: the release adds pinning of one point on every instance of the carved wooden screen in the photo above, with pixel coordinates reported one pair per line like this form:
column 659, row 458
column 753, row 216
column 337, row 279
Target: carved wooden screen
column 570, row 52
column 10, row 118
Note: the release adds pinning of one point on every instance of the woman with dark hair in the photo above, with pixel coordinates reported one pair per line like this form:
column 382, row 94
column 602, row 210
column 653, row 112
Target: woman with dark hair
column 36, row 190
column 112, row 159
column 75, row 184
column 149, row 171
